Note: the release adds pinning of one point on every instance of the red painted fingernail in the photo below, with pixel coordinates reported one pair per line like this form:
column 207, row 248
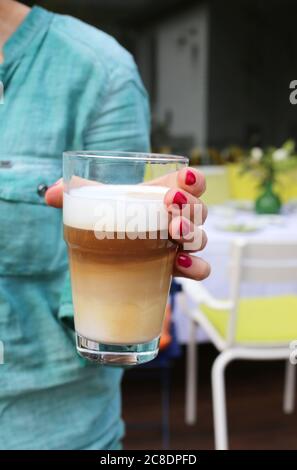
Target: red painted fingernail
column 184, row 228
column 179, row 199
column 184, row 261
column 190, row 178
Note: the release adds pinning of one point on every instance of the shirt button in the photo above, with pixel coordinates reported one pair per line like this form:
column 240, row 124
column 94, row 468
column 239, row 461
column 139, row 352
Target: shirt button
column 41, row 189
column 5, row 164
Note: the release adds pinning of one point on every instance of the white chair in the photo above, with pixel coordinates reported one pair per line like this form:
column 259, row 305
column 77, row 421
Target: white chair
column 252, row 329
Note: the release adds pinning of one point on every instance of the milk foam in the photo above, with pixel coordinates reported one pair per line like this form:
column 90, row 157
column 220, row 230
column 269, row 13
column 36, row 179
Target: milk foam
column 116, row 208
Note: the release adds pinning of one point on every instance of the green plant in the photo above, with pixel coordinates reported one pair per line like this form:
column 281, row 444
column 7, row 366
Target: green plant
column 266, row 164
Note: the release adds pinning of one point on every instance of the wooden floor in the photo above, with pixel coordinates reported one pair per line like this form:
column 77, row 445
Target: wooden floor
column 254, row 395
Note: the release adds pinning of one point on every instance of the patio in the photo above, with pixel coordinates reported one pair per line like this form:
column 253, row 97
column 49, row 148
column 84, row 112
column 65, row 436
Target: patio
column 254, row 395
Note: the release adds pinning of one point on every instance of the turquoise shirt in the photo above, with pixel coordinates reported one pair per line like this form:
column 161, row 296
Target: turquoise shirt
column 67, row 86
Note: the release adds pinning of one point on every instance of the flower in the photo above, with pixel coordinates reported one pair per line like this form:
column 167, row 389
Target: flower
column 256, row 154
column 280, row 155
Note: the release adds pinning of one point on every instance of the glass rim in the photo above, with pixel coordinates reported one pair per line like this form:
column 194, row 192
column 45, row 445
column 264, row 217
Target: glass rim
column 127, row 156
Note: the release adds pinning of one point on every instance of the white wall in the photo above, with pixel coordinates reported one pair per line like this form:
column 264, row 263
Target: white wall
column 182, row 74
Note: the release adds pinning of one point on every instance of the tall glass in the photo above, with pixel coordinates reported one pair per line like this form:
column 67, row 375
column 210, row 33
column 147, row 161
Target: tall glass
column 120, row 253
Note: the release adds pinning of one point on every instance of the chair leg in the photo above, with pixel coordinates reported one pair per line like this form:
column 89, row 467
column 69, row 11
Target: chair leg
column 289, row 390
column 191, row 375
column 219, row 399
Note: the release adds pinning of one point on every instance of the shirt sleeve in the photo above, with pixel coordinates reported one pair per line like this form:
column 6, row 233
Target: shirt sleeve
column 120, row 121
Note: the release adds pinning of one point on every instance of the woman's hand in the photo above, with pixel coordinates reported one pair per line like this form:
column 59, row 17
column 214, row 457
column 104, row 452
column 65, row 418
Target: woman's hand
column 188, row 214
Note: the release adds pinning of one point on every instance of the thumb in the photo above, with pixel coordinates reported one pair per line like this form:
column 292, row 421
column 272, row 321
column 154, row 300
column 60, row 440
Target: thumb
column 54, row 194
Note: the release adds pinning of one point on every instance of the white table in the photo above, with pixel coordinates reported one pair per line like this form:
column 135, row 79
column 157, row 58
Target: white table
column 217, row 253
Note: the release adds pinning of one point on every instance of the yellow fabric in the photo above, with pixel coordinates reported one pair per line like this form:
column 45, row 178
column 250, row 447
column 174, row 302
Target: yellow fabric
column 246, row 186
column 242, row 186
column 288, row 185
column 217, row 188
column 260, row 320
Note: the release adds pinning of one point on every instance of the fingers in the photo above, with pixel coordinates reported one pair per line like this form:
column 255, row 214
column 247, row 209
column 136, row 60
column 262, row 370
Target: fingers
column 54, row 194
column 185, row 233
column 188, row 179
column 181, row 202
column 191, row 267
column 181, row 229
column 192, row 181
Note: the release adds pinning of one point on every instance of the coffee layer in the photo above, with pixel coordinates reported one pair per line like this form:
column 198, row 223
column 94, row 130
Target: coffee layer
column 137, row 208
column 120, row 287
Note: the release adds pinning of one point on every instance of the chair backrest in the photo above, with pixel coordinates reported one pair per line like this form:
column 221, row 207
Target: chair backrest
column 259, row 262
column 265, row 261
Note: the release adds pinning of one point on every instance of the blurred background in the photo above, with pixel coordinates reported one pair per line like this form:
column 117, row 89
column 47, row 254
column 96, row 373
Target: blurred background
column 218, row 75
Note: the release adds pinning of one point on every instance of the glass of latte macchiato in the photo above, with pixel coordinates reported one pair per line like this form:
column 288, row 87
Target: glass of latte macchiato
column 120, row 252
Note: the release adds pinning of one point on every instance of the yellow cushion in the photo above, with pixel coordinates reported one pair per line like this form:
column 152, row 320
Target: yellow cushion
column 246, row 186
column 217, row 188
column 260, row 320
column 242, row 186
column 287, row 185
